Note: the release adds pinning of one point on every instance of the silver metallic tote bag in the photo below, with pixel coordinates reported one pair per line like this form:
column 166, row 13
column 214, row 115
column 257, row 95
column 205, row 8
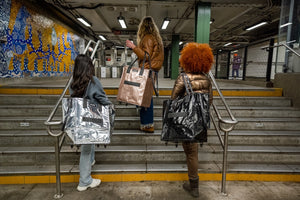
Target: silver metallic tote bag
column 87, row 123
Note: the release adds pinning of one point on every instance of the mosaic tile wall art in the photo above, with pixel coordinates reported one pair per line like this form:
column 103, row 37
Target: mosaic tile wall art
column 33, row 45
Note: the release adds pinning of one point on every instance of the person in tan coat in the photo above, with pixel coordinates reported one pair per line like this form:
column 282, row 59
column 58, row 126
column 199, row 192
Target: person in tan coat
column 148, row 40
column 196, row 60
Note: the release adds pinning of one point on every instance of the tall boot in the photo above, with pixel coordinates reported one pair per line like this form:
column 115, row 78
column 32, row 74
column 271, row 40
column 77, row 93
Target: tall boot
column 192, row 187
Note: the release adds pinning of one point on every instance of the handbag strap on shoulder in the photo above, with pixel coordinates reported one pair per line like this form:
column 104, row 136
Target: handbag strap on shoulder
column 153, row 83
column 155, row 76
column 144, row 61
column 187, row 83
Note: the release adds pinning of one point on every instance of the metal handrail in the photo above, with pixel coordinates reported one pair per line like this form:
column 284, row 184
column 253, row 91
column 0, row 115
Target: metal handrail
column 286, row 46
column 49, row 123
column 230, row 123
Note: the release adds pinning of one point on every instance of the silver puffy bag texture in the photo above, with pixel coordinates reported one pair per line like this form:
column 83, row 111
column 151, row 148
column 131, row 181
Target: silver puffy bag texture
column 87, row 123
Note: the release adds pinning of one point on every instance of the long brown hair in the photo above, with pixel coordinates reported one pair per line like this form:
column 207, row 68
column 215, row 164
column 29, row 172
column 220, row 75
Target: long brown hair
column 148, row 26
column 83, row 72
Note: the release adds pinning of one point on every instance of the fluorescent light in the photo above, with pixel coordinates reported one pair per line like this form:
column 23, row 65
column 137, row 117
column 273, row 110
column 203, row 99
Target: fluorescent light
column 225, row 45
column 122, row 21
column 256, row 26
column 165, row 23
column 84, row 21
column 102, row 37
column 286, row 24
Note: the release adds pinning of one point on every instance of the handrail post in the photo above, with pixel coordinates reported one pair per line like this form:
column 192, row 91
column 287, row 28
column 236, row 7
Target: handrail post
column 226, row 131
column 58, row 194
column 87, row 47
column 95, row 49
column 224, row 166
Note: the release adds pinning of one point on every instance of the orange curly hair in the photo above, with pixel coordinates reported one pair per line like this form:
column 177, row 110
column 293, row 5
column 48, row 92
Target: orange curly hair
column 196, row 58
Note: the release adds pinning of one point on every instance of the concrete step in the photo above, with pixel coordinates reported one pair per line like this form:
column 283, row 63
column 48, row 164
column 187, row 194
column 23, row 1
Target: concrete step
column 178, row 167
column 154, row 153
column 268, row 123
column 131, row 110
column 266, row 139
column 231, row 100
column 125, row 123
column 135, row 137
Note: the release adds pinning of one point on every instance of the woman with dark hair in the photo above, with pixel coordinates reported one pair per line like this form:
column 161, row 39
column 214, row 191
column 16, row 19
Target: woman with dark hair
column 148, row 40
column 86, row 84
column 196, row 60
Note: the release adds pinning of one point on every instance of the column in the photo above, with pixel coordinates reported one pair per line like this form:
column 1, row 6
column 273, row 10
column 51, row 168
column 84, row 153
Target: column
column 175, row 57
column 202, row 22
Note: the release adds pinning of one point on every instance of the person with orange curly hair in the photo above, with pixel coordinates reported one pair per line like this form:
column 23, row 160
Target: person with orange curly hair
column 196, row 61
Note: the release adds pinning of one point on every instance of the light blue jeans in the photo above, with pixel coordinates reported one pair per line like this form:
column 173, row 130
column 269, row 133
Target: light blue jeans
column 87, row 156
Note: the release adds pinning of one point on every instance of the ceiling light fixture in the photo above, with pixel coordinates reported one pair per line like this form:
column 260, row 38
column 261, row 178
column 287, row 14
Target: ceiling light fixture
column 102, row 37
column 122, row 22
column 225, row 45
column 256, row 26
column 84, row 21
column 165, row 23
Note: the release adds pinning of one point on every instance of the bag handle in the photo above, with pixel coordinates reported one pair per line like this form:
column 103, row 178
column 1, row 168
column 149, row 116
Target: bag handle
column 150, row 74
column 130, row 66
column 143, row 66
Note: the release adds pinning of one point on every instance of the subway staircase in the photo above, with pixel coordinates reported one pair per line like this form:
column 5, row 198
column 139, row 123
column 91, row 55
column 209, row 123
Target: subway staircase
column 264, row 145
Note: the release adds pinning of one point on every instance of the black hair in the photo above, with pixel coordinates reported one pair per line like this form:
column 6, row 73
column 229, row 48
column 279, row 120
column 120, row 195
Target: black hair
column 83, row 72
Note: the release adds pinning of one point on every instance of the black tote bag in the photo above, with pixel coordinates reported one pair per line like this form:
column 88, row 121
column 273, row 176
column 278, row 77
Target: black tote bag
column 186, row 119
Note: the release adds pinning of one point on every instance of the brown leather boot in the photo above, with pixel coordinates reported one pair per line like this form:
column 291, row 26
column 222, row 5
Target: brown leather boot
column 192, row 187
column 148, row 129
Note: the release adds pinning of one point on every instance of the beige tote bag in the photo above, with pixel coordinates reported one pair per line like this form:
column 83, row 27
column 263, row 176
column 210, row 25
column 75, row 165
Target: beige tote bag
column 136, row 85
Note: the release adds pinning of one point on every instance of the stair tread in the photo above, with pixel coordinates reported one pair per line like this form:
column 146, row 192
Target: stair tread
column 269, row 119
column 275, row 168
column 157, row 132
column 8, row 106
column 153, row 167
column 252, row 108
column 241, row 119
column 158, row 148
